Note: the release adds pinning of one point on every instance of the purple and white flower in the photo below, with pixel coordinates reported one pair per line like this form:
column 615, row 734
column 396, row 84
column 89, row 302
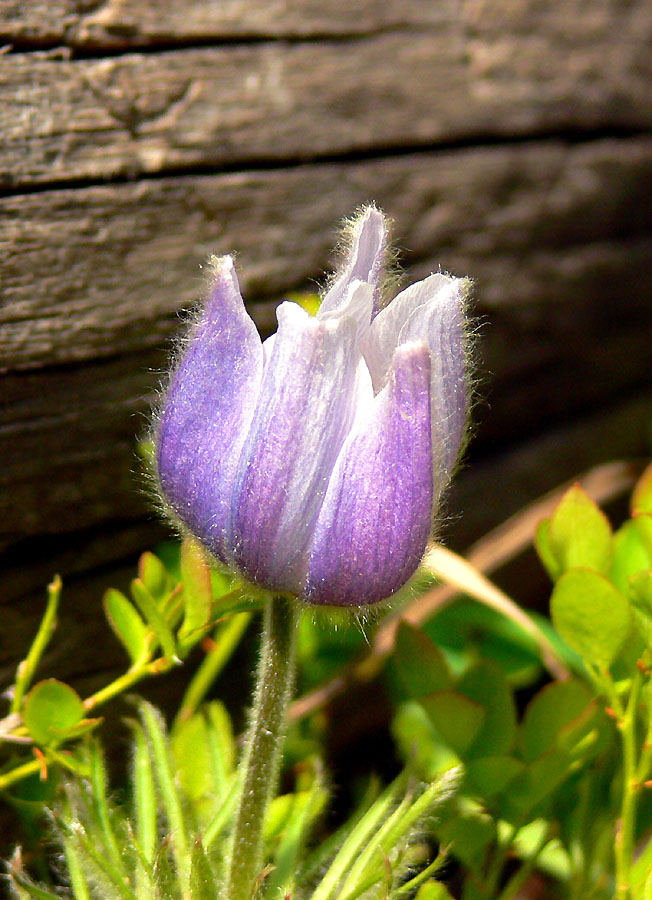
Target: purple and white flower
column 313, row 463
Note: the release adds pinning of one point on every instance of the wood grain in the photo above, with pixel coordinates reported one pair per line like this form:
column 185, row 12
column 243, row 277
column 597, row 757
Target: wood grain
column 557, row 237
column 549, row 231
column 118, row 23
column 269, row 102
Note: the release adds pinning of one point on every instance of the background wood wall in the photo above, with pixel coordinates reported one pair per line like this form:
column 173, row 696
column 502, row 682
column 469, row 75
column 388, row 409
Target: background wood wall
column 509, row 141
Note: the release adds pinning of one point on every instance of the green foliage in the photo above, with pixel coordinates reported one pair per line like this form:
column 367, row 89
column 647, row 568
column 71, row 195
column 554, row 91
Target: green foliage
column 172, row 607
column 562, row 786
column 168, row 841
column 505, row 775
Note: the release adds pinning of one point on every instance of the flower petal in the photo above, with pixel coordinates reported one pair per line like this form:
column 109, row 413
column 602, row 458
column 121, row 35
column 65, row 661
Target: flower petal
column 207, row 411
column 358, row 304
column 364, row 262
column 376, row 516
column 307, row 404
column 431, row 310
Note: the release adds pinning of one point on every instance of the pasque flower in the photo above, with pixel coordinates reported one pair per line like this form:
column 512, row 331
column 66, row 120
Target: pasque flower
column 312, row 463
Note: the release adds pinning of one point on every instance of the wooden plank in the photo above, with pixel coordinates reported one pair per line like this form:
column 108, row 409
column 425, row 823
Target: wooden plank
column 116, row 23
column 234, row 105
column 545, row 228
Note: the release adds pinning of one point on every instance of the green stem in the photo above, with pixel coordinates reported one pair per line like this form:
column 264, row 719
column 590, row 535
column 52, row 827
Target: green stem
column 625, row 836
column 124, row 682
column 20, row 772
column 28, row 666
column 262, row 760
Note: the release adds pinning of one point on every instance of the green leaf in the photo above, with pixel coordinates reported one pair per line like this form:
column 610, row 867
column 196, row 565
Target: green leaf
column 467, row 630
column 126, row 624
column 641, row 501
column 420, row 665
column 197, row 591
column 357, row 840
column 537, row 783
column 202, row 876
column 457, row 719
column 470, row 831
column 370, row 866
column 591, row 615
column 492, row 774
column 150, row 611
column 419, row 742
column 640, row 597
column 222, row 741
column 52, row 708
column 542, row 546
column 629, row 554
column 579, row 533
column 643, row 523
column 308, row 805
column 486, row 685
column 25, row 888
column 154, row 575
column 193, row 765
column 554, row 708
column 642, row 870
column 277, row 815
column 433, row 890
column 144, row 790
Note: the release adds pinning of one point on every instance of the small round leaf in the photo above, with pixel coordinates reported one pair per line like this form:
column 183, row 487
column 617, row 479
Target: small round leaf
column 52, row 708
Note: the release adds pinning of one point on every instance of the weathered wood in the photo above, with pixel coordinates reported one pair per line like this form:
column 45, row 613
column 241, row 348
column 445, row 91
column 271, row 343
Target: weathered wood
column 117, row 23
column 233, row 106
column 544, row 228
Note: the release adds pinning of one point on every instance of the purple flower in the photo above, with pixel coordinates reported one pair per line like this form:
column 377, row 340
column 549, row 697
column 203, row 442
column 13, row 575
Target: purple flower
column 312, row 463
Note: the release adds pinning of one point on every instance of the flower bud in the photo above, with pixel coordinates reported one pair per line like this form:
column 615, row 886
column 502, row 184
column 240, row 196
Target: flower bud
column 312, row 463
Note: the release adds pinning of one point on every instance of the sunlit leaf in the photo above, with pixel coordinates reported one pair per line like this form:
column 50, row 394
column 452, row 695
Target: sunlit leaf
column 154, row 575
column 641, row 501
column 126, row 623
column 591, row 615
column 542, row 545
column 197, row 590
column 579, row 533
column 150, row 611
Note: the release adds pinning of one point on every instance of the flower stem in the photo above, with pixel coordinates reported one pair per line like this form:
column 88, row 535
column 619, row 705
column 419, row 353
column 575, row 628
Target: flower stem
column 262, row 759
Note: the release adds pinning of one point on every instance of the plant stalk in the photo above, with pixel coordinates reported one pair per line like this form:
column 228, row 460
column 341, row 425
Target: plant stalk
column 262, row 760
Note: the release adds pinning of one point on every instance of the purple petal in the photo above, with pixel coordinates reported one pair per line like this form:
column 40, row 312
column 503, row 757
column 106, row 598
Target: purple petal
column 206, row 414
column 309, row 397
column 376, row 516
column 358, row 304
column 431, row 310
column 364, row 262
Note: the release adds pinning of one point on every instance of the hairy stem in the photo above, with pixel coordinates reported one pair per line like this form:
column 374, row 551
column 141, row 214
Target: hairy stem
column 262, row 759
